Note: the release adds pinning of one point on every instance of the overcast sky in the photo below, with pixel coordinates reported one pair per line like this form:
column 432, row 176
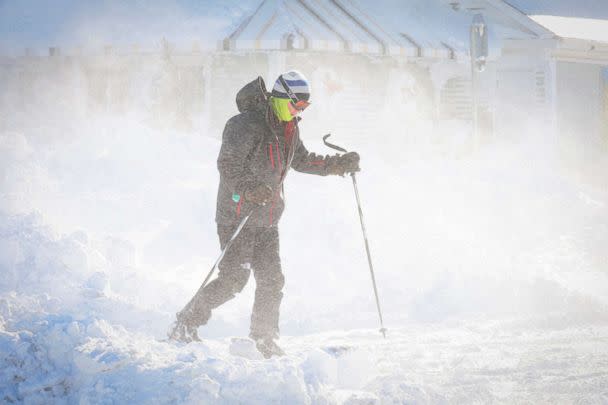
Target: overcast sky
column 43, row 23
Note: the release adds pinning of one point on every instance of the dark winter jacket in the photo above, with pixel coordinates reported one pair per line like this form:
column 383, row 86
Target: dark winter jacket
column 256, row 150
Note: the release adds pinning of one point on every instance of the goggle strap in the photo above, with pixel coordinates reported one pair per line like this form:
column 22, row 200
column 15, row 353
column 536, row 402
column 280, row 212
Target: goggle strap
column 290, row 93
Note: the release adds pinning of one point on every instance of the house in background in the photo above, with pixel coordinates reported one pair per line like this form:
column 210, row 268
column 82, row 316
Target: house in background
column 412, row 58
column 577, row 61
column 549, row 81
column 396, row 69
column 561, row 76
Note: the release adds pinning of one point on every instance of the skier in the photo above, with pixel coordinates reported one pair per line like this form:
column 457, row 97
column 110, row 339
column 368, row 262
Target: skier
column 259, row 146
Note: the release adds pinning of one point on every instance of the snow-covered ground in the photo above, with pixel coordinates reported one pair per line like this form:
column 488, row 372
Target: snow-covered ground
column 491, row 268
column 61, row 360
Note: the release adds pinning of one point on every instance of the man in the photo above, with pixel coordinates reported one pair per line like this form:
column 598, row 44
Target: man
column 259, row 146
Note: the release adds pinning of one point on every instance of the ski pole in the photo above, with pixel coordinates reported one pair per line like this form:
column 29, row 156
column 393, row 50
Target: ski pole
column 383, row 330
column 217, row 262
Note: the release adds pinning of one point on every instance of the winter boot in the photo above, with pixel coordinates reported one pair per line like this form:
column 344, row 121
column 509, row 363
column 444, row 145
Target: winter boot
column 268, row 347
column 183, row 332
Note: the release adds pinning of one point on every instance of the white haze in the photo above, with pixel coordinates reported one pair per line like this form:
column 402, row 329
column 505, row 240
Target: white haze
column 506, row 230
column 511, row 231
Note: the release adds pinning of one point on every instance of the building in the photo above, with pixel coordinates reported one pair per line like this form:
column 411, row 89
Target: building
column 555, row 80
column 396, row 69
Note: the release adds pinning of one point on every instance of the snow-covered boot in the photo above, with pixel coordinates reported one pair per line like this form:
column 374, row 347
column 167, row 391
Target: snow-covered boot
column 183, row 332
column 268, row 347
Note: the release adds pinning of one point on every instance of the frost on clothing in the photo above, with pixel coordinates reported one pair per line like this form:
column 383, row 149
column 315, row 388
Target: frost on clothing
column 256, row 150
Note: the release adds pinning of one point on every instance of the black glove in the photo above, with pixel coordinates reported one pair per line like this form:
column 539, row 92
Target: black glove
column 350, row 162
column 347, row 163
column 259, row 195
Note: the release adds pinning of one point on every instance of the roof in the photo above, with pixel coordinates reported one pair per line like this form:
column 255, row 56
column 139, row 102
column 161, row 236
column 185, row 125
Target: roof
column 330, row 25
column 578, row 28
column 418, row 28
column 596, row 9
column 506, row 21
column 414, row 28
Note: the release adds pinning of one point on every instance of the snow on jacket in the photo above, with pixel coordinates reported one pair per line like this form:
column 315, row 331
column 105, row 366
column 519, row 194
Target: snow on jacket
column 259, row 150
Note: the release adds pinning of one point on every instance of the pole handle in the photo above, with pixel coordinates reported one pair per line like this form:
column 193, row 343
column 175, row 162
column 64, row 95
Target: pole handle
column 331, row 145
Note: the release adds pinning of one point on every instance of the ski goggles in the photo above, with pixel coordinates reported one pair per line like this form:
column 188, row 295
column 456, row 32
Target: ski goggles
column 299, row 105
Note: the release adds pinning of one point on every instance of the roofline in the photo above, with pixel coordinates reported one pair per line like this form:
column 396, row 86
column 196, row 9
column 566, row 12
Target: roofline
column 509, row 15
column 239, row 30
column 522, row 18
column 361, row 25
column 400, row 44
column 327, row 25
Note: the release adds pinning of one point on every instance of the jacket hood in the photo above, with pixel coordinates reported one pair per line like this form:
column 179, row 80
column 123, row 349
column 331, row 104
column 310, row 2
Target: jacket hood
column 253, row 96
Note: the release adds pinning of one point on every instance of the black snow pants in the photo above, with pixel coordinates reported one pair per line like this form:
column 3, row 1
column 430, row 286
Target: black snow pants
column 257, row 249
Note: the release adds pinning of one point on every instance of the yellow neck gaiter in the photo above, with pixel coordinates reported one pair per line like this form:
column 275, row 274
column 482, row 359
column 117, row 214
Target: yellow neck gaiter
column 281, row 109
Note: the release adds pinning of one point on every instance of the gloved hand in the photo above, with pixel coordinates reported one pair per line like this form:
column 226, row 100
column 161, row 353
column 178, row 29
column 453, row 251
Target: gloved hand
column 259, row 195
column 347, row 163
column 350, row 162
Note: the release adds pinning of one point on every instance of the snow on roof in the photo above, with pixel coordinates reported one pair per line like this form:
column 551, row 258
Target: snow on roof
column 578, row 28
column 597, row 9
